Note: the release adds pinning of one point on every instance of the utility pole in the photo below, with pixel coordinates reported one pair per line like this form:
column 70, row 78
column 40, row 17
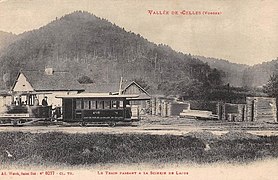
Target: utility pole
column 155, row 62
column 120, row 88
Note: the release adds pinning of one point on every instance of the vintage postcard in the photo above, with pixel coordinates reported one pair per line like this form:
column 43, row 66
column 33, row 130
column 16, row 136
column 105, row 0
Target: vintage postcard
column 129, row 89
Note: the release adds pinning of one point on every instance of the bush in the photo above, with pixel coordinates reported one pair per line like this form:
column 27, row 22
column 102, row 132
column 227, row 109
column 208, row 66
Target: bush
column 79, row 149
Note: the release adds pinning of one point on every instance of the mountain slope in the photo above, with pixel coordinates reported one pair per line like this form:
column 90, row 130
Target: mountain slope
column 90, row 46
column 233, row 72
column 6, row 39
column 259, row 74
column 241, row 74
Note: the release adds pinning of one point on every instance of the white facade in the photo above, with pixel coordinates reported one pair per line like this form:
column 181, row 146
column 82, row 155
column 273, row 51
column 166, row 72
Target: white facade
column 4, row 100
column 22, row 84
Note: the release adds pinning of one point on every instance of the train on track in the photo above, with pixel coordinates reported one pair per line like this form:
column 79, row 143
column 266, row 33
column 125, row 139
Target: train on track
column 83, row 108
column 20, row 111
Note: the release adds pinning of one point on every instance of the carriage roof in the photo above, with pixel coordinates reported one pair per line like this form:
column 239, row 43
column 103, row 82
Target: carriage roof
column 97, row 95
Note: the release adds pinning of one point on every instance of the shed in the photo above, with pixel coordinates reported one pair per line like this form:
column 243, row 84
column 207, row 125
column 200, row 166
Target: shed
column 142, row 101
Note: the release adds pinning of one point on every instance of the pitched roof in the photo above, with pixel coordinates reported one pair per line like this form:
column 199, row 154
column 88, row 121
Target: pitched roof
column 97, row 95
column 142, row 97
column 140, row 87
column 114, row 88
column 4, row 93
column 101, row 87
column 59, row 81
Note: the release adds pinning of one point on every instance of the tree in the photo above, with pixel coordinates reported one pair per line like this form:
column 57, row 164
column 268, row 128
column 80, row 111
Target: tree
column 190, row 88
column 186, row 88
column 85, row 80
column 142, row 83
column 271, row 88
column 215, row 77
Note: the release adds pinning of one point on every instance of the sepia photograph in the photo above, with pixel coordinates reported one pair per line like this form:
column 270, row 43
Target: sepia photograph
column 138, row 89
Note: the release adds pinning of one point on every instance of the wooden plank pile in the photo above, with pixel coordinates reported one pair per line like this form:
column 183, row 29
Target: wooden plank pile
column 257, row 109
column 262, row 109
column 166, row 108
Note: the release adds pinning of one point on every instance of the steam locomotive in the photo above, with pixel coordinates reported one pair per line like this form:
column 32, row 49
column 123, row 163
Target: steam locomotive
column 18, row 111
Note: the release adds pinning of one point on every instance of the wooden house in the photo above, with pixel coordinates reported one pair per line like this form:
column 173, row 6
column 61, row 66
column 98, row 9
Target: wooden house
column 143, row 101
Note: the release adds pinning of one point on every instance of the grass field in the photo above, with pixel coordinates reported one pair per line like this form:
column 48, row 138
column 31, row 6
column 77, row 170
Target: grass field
column 63, row 149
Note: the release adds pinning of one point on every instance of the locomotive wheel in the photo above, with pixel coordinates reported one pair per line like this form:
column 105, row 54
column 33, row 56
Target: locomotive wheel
column 112, row 124
column 83, row 124
column 14, row 122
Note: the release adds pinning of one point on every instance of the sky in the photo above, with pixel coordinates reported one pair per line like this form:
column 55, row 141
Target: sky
column 243, row 32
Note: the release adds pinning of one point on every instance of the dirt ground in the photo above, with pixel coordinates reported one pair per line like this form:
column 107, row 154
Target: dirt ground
column 157, row 125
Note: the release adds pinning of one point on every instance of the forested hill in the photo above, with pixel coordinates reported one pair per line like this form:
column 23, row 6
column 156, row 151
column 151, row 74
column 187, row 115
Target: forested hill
column 233, row 71
column 90, row 46
column 243, row 75
column 6, row 39
column 259, row 74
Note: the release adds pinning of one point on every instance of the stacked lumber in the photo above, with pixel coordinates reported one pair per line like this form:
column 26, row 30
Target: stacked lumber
column 265, row 109
column 196, row 114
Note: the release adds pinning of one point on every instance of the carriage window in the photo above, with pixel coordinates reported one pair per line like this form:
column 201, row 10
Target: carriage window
column 99, row 104
column 107, row 104
column 86, row 104
column 115, row 105
column 121, row 104
column 93, row 104
column 78, row 104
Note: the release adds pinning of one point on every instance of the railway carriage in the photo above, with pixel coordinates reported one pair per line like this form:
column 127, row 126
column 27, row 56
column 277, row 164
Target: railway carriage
column 91, row 108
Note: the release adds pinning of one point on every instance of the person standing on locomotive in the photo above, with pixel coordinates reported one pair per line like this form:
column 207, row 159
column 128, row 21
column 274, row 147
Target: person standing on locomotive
column 16, row 102
column 46, row 111
column 36, row 103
